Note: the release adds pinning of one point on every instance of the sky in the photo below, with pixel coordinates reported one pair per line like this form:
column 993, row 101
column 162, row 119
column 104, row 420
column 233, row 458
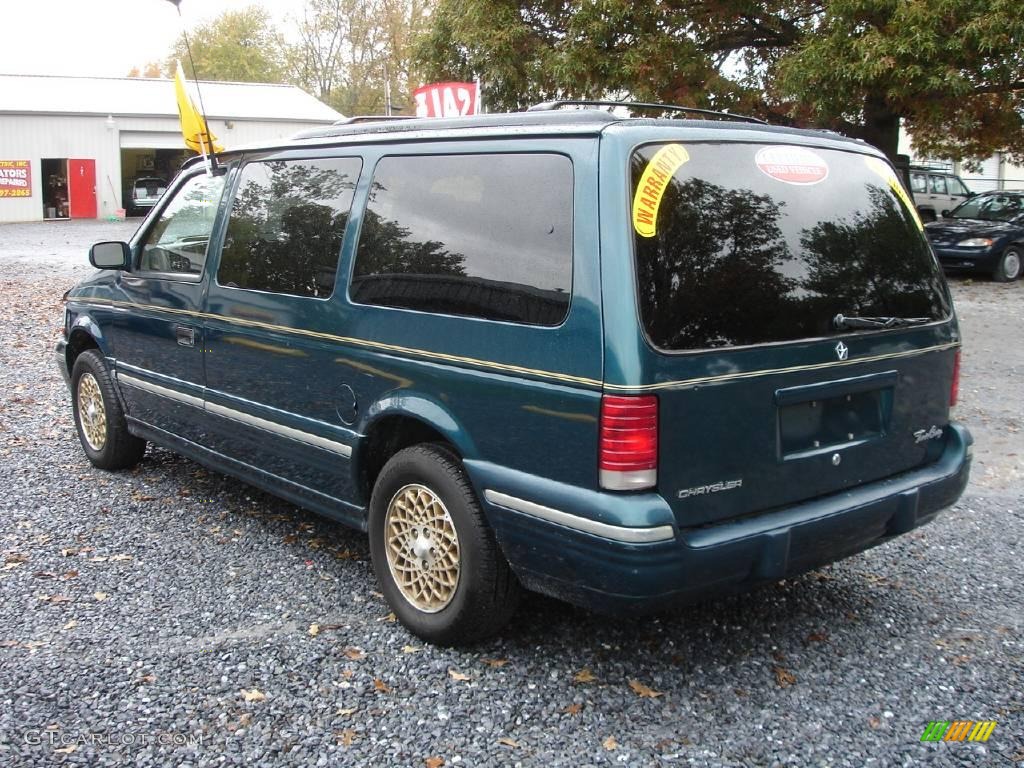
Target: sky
column 103, row 38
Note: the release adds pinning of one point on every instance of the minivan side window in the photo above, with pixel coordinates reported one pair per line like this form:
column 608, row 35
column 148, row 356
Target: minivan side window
column 178, row 241
column 487, row 236
column 287, row 222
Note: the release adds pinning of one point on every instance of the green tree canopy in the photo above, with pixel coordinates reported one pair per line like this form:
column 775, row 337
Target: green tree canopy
column 239, row 46
column 953, row 70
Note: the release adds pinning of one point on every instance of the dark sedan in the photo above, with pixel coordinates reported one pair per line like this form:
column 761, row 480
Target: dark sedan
column 985, row 233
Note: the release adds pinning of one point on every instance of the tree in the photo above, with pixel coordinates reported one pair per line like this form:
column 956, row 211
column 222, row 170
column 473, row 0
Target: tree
column 240, row 46
column 152, row 69
column 350, row 51
column 953, row 70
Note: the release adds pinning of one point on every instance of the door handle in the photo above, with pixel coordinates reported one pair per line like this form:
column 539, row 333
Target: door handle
column 186, row 336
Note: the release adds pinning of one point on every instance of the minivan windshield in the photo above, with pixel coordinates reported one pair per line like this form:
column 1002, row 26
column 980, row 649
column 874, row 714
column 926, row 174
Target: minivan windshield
column 994, row 207
column 740, row 244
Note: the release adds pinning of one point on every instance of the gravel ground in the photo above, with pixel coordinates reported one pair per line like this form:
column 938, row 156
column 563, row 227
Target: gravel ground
column 163, row 616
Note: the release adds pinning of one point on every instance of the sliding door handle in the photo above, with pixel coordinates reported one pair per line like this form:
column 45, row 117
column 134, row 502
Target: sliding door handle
column 186, row 335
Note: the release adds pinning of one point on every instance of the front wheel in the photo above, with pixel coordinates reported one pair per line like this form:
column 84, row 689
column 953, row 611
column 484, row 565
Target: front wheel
column 436, row 559
column 1008, row 268
column 99, row 417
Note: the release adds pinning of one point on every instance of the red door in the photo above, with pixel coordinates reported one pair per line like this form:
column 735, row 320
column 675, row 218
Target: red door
column 82, row 189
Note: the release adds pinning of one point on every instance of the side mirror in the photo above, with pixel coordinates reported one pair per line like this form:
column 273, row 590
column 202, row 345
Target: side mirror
column 945, row 214
column 111, row 255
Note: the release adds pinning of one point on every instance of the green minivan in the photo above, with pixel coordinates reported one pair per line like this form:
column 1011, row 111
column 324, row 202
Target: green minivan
column 626, row 362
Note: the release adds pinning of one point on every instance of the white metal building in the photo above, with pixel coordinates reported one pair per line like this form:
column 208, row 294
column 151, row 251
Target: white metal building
column 72, row 147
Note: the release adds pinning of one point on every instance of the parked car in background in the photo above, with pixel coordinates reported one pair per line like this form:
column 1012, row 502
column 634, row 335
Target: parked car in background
column 986, row 233
column 936, row 190
column 623, row 362
column 144, row 194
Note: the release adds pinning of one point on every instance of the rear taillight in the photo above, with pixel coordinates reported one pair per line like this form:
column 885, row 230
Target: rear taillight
column 628, row 449
column 954, row 389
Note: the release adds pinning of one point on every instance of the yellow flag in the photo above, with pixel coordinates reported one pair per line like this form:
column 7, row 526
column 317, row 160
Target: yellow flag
column 193, row 127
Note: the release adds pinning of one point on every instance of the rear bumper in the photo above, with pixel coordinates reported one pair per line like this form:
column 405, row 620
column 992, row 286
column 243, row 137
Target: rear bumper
column 611, row 571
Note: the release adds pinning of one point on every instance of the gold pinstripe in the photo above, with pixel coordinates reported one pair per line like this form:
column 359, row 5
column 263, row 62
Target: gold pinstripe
column 506, row 368
column 770, row 371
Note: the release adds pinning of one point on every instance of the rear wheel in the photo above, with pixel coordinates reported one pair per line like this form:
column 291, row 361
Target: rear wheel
column 435, row 557
column 1008, row 268
column 99, row 417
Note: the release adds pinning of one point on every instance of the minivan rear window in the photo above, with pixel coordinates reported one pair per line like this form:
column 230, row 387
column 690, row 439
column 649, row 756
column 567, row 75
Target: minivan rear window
column 740, row 244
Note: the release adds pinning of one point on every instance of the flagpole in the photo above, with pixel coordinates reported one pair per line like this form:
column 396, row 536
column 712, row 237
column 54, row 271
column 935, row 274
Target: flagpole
column 210, row 161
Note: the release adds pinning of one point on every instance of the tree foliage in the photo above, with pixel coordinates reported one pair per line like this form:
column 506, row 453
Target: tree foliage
column 238, row 46
column 349, row 52
column 953, row 70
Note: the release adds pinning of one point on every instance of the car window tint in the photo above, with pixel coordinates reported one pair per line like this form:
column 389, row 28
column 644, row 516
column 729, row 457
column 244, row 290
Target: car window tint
column 917, row 182
column 287, row 222
column 938, row 185
column 747, row 245
column 178, row 240
column 486, row 236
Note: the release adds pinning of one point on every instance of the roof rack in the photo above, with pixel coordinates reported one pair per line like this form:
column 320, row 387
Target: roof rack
column 546, row 106
column 371, row 119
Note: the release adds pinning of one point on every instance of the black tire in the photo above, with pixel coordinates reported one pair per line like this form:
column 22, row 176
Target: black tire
column 1008, row 268
column 486, row 592
column 111, row 446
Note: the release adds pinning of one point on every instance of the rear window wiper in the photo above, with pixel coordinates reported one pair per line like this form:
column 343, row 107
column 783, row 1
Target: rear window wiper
column 843, row 322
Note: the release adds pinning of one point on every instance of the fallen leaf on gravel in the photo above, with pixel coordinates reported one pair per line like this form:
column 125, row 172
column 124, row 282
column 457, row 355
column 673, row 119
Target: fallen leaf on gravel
column 120, row 558
column 314, row 630
column 784, row 677
column 69, row 552
column 610, row 744
column 346, row 711
column 100, row 596
column 573, row 709
column 390, row 618
column 44, row 575
column 495, row 663
column 355, row 654
column 410, row 649
column 458, row 676
column 817, row 637
column 15, row 558
column 9, row 643
column 69, row 575
column 505, row 741
column 346, row 737
column 70, row 625
column 434, row 762
column 12, row 566
column 254, row 695
column 98, row 559
column 147, row 679
column 584, row 676
column 874, row 722
column 139, row 496
column 54, row 599
column 291, row 538
column 643, row 691
column 380, row 685
column 66, row 750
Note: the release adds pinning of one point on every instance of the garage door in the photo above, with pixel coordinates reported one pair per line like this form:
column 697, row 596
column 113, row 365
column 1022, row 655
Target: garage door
column 151, row 140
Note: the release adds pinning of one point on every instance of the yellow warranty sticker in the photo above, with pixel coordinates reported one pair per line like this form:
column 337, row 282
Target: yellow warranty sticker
column 652, row 185
column 882, row 169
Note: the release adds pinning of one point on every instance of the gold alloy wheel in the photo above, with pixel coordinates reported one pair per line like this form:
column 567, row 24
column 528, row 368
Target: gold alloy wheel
column 92, row 415
column 422, row 547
